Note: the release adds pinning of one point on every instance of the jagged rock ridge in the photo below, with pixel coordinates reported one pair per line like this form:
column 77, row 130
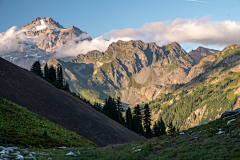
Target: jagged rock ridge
column 133, row 70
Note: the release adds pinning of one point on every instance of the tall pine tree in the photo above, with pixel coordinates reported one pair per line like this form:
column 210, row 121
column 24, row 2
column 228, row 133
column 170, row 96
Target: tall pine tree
column 129, row 119
column 156, row 130
column 46, row 72
column 52, row 74
column 137, row 120
column 119, row 105
column 162, row 127
column 147, row 121
column 171, row 128
column 60, row 76
column 36, row 68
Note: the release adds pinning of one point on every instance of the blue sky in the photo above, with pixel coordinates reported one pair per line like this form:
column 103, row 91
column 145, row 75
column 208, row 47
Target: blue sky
column 98, row 17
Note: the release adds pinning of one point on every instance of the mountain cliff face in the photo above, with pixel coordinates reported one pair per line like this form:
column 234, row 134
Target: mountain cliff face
column 44, row 37
column 133, row 70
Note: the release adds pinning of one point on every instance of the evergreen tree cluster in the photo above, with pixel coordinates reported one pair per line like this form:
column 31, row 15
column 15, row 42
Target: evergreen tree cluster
column 140, row 122
column 112, row 108
column 52, row 75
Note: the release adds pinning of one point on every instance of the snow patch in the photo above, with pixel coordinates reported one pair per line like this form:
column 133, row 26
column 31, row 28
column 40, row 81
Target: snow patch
column 42, row 26
column 212, row 51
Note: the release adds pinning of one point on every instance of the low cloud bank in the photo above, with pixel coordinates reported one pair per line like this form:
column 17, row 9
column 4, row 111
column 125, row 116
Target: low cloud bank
column 98, row 43
column 9, row 42
column 184, row 31
column 194, row 30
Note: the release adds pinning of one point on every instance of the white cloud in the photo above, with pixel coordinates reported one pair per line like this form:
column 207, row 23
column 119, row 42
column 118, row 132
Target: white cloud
column 200, row 31
column 9, row 42
column 184, row 31
column 98, row 43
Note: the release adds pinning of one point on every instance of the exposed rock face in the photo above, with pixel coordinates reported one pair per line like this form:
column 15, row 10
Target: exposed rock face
column 45, row 36
column 133, row 70
column 51, row 34
column 200, row 53
column 137, row 72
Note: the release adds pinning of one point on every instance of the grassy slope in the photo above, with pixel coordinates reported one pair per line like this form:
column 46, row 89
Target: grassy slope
column 200, row 142
column 22, row 127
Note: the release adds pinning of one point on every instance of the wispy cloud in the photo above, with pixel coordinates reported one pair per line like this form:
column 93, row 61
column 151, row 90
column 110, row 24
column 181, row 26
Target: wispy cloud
column 195, row 31
column 184, row 31
column 196, row 1
column 198, row 31
column 9, row 42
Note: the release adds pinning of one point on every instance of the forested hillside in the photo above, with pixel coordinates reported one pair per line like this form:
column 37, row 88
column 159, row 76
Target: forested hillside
column 214, row 90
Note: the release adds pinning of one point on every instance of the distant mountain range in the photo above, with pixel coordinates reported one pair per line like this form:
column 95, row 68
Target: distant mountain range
column 133, row 70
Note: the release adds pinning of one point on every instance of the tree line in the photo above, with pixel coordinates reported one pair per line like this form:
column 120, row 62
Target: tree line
column 51, row 74
column 139, row 120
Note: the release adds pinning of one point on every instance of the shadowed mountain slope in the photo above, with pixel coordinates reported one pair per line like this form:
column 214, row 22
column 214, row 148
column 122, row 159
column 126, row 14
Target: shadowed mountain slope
column 38, row 96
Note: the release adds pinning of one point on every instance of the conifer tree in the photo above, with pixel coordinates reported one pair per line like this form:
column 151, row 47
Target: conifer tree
column 155, row 130
column 171, row 128
column 119, row 113
column 129, row 119
column 52, row 74
column 46, row 72
column 147, row 121
column 162, row 127
column 36, row 68
column 106, row 108
column 66, row 86
column 60, row 75
column 137, row 120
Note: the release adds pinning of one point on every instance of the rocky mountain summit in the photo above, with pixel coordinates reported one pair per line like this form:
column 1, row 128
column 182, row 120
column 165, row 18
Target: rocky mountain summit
column 137, row 72
column 51, row 34
column 44, row 37
column 200, row 53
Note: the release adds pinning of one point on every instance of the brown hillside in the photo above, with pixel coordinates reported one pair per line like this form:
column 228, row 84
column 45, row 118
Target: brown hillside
column 28, row 90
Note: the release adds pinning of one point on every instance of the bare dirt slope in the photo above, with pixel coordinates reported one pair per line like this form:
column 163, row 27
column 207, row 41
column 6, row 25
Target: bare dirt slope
column 28, row 90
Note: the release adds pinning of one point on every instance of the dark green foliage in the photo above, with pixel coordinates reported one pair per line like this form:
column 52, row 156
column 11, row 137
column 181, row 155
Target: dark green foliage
column 36, row 68
column 52, row 74
column 45, row 133
column 119, row 109
column 162, row 127
column 171, row 128
column 46, row 72
column 156, row 130
column 112, row 109
column 147, row 121
column 129, row 119
column 60, row 76
column 137, row 120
